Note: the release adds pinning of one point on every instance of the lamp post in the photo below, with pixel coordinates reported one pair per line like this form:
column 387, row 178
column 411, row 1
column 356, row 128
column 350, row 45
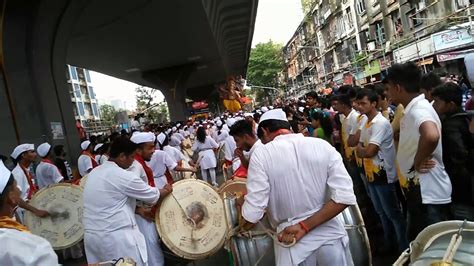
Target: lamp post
column 319, row 50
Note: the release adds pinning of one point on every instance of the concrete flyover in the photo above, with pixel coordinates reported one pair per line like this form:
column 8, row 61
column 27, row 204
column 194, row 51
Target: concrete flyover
column 181, row 47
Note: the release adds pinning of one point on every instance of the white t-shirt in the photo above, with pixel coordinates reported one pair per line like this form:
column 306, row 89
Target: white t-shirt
column 84, row 164
column 379, row 132
column 348, row 127
column 435, row 186
column 159, row 162
column 47, row 174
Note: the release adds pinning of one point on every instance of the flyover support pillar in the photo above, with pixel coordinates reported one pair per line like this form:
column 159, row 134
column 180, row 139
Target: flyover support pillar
column 176, row 99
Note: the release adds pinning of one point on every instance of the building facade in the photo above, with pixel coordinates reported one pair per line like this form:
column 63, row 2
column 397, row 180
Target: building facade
column 355, row 41
column 81, row 90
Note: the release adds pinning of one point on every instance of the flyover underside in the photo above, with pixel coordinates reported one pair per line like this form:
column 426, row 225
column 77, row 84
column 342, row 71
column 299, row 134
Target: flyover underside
column 175, row 46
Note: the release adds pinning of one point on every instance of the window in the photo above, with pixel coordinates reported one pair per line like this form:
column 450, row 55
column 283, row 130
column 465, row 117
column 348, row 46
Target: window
column 379, row 33
column 80, row 106
column 95, row 111
column 360, row 5
column 73, row 72
column 348, row 18
column 88, row 77
column 459, row 4
column 91, row 92
column 77, row 90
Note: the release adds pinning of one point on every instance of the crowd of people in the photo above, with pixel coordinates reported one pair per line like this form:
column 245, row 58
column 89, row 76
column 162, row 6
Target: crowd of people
column 406, row 144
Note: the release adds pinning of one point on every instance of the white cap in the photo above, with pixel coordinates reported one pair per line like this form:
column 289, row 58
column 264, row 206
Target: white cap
column 264, row 109
column 142, row 137
column 85, row 144
column 161, row 138
column 4, row 176
column 271, row 107
column 96, row 147
column 178, row 125
column 173, row 129
column 174, row 141
column 301, row 109
column 230, row 121
column 43, row 149
column 168, row 131
column 248, row 115
column 275, row 114
column 21, row 149
column 219, row 123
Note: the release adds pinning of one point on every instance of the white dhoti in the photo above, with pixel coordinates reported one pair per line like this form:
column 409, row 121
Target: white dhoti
column 334, row 252
column 148, row 229
column 107, row 246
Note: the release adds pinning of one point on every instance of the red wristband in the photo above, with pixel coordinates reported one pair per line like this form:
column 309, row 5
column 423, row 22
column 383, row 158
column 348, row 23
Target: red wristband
column 304, row 227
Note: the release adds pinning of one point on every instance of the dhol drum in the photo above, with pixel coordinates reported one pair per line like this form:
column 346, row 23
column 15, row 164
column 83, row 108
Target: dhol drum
column 443, row 243
column 254, row 247
column 63, row 228
column 191, row 221
column 359, row 243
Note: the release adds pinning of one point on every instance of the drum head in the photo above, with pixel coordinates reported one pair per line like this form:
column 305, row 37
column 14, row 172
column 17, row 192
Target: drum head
column 191, row 221
column 63, row 228
column 236, row 187
column 82, row 182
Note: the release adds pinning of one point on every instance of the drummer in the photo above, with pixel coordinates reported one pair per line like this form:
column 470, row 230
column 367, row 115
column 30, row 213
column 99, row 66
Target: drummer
column 110, row 196
column 47, row 173
column 304, row 184
column 24, row 155
column 143, row 214
column 86, row 161
column 243, row 133
column 19, row 246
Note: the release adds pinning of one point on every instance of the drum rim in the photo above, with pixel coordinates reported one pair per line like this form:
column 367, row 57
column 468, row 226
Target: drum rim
column 27, row 213
column 183, row 254
column 235, row 180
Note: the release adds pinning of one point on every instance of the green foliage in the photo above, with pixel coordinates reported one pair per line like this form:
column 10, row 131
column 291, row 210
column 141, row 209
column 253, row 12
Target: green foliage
column 146, row 102
column 306, row 5
column 107, row 112
column 266, row 60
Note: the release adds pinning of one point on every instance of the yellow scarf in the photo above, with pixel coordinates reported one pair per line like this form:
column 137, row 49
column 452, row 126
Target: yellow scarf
column 8, row 222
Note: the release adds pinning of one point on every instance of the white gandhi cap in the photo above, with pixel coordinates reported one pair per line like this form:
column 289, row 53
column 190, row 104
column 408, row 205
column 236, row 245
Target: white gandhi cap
column 98, row 146
column 142, row 137
column 43, row 149
column 21, row 149
column 275, row 114
column 161, row 138
column 85, row 144
column 4, row 176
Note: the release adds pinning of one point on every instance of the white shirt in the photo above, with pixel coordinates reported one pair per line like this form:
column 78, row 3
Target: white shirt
column 379, row 132
column 207, row 158
column 254, row 147
column 350, row 123
column 84, row 164
column 159, row 162
column 25, row 249
column 229, row 148
column 21, row 181
column 138, row 170
column 101, row 159
column 435, row 186
column 174, row 153
column 294, row 177
column 110, row 196
column 47, row 174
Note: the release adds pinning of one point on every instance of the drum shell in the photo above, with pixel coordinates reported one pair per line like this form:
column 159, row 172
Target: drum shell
column 358, row 239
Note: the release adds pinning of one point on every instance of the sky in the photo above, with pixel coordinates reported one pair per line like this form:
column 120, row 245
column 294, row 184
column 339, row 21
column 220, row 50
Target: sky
column 277, row 20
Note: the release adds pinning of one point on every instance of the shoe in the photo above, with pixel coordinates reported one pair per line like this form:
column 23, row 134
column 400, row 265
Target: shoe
column 215, row 184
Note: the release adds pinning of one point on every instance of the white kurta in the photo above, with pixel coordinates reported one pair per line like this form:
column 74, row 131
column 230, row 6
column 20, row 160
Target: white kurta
column 47, row 174
column 294, row 177
column 25, row 249
column 159, row 162
column 111, row 231
column 101, row 159
column 174, row 153
column 148, row 229
column 229, row 148
column 84, row 164
column 206, row 154
column 21, row 181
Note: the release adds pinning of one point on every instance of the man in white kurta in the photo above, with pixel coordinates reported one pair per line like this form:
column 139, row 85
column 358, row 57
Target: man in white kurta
column 293, row 177
column 111, row 231
column 46, row 172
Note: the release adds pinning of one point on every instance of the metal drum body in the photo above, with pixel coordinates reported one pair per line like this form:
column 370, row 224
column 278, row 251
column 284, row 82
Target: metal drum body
column 255, row 247
column 359, row 244
column 431, row 244
column 63, row 228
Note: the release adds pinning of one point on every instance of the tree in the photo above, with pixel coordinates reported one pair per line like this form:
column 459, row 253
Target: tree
column 107, row 112
column 146, row 102
column 265, row 62
column 307, row 5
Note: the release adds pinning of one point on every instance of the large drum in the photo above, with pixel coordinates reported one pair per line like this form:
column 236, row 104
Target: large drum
column 63, row 228
column 359, row 243
column 440, row 244
column 191, row 221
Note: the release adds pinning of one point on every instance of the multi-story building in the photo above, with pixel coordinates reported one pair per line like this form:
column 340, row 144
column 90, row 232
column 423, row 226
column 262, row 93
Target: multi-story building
column 355, row 41
column 82, row 94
